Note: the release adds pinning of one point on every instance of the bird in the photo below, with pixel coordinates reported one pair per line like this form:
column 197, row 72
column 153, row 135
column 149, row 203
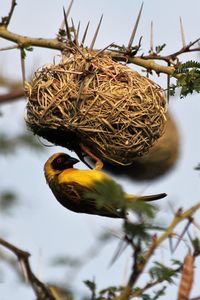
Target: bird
column 89, row 191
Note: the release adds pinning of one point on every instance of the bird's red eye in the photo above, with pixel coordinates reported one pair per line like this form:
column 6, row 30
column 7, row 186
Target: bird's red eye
column 59, row 160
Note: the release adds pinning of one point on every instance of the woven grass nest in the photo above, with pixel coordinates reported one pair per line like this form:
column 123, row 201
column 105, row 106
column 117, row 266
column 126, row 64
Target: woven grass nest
column 88, row 98
column 161, row 158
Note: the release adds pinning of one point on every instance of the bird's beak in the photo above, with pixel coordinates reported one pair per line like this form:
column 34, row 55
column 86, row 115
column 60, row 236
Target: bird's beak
column 73, row 161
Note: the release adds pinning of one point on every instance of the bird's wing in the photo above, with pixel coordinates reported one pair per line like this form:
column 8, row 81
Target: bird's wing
column 90, row 200
column 98, row 192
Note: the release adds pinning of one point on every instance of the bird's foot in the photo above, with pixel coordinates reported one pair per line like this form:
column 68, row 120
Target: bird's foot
column 99, row 163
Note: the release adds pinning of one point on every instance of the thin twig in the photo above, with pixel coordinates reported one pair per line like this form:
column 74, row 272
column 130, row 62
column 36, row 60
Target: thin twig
column 22, row 56
column 9, row 48
column 168, row 85
column 6, row 20
column 151, row 284
column 41, row 290
column 179, row 217
column 172, row 57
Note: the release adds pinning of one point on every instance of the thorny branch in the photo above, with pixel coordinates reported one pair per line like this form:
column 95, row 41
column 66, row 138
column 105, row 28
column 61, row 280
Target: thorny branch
column 150, row 284
column 118, row 53
column 142, row 60
column 68, row 39
column 179, row 217
column 41, row 290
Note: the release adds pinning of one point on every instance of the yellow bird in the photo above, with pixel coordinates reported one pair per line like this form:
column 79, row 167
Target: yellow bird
column 78, row 190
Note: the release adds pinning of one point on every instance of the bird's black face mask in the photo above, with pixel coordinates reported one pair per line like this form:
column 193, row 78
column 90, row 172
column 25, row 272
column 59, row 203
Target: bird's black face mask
column 63, row 161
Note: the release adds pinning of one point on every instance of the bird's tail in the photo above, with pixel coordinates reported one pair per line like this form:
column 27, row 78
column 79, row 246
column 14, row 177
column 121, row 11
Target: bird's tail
column 130, row 197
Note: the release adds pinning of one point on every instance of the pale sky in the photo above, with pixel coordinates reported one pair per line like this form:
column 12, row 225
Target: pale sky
column 39, row 224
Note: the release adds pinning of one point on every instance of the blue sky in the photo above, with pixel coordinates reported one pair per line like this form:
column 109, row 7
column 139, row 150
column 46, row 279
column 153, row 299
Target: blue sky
column 39, row 224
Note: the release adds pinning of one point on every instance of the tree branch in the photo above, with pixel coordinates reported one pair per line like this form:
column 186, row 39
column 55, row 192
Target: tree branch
column 24, row 41
column 41, row 290
column 148, row 64
column 179, row 217
column 12, row 95
column 142, row 61
column 6, row 20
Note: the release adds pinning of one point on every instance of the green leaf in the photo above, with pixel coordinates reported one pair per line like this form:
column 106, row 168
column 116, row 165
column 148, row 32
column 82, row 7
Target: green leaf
column 7, row 200
column 64, row 261
column 107, row 190
column 189, row 80
column 92, row 287
column 29, row 48
column 9, row 144
column 196, row 246
column 176, row 262
column 110, row 291
column 162, row 273
column 142, row 208
column 160, row 48
column 159, row 293
column 145, row 297
column 137, row 230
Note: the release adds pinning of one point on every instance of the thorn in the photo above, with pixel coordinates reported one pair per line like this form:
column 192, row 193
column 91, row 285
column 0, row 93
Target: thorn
column 85, row 33
column 170, row 244
column 69, row 8
column 102, row 50
column 67, row 14
column 151, row 38
column 168, row 85
column 182, row 33
column 78, row 29
column 182, row 234
column 171, row 207
column 96, row 33
column 67, row 26
column 135, row 28
column 75, row 32
column 73, row 27
column 120, row 249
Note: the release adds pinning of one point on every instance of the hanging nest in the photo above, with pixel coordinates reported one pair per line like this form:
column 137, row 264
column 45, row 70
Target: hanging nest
column 87, row 98
column 161, row 158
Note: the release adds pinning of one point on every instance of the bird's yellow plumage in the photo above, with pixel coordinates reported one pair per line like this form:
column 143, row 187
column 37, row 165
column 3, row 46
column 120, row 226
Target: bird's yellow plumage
column 78, row 190
column 83, row 177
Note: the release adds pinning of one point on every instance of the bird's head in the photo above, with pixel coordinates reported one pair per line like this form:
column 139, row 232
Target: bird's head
column 57, row 163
